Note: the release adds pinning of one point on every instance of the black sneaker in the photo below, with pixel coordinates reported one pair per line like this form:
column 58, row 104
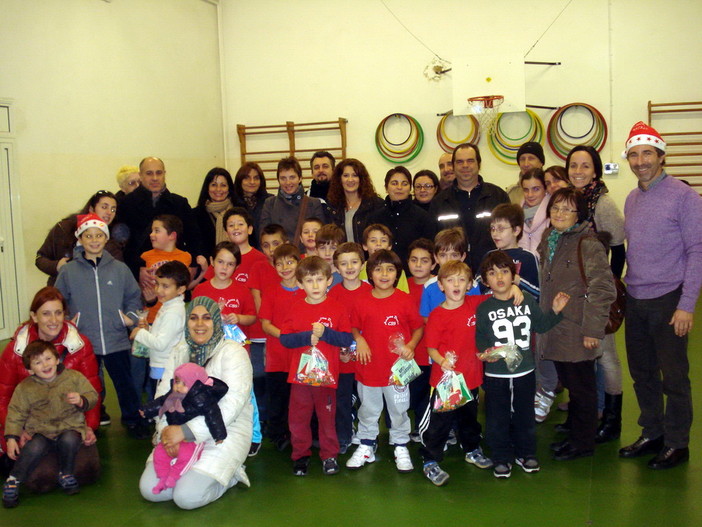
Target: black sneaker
column 68, row 483
column 104, row 418
column 10, row 494
column 301, row 465
column 255, row 447
column 139, row 431
column 330, row 466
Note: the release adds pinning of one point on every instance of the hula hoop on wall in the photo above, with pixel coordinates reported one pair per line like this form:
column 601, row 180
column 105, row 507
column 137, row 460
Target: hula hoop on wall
column 406, row 150
column 562, row 142
column 446, row 143
column 505, row 148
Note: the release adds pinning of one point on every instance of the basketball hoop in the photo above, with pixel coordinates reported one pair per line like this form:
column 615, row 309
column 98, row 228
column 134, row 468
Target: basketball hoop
column 485, row 110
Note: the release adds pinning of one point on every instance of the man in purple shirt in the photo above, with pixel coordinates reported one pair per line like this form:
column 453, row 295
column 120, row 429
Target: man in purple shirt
column 663, row 221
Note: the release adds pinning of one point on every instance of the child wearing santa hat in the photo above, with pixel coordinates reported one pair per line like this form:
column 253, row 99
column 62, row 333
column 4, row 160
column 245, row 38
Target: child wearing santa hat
column 193, row 394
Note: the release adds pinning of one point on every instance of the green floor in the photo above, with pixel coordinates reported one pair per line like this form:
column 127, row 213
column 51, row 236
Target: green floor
column 602, row 490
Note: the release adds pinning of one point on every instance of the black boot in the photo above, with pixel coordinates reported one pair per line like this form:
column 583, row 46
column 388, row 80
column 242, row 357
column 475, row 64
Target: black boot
column 611, row 424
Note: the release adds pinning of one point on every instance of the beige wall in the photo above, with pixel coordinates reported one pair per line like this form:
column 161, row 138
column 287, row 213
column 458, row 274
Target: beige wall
column 97, row 85
column 318, row 59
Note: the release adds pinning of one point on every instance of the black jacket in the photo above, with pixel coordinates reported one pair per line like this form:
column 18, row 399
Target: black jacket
column 477, row 227
column 407, row 222
column 200, row 400
column 360, row 217
column 137, row 211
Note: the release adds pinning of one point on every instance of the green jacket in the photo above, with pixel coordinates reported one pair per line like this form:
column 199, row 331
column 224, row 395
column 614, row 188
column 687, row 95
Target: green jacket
column 40, row 407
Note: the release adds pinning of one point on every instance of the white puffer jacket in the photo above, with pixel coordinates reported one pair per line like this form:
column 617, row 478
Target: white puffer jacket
column 230, row 363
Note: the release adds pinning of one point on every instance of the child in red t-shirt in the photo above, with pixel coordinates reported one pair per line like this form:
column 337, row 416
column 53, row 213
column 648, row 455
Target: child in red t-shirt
column 275, row 304
column 348, row 259
column 421, row 264
column 383, row 312
column 322, row 322
column 451, row 327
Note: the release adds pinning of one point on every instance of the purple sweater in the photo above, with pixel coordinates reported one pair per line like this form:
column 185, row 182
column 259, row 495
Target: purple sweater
column 664, row 233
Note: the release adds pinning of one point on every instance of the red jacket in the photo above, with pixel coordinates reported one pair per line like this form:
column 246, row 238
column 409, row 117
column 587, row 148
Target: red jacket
column 76, row 352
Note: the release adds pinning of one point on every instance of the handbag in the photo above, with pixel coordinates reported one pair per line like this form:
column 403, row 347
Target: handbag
column 617, row 310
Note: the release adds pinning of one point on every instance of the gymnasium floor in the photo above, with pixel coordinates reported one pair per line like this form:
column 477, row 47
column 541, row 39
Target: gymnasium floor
column 602, row 490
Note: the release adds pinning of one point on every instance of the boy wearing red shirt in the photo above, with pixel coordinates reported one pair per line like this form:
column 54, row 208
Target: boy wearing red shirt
column 274, row 309
column 348, row 259
column 451, row 327
column 322, row 322
column 384, row 312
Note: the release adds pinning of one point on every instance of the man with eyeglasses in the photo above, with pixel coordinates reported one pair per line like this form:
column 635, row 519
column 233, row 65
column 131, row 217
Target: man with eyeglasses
column 468, row 203
column 663, row 222
column 138, row 209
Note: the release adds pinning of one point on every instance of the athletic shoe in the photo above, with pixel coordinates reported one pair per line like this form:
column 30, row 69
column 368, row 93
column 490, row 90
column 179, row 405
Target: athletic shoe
column 542, row 404
column 528, row 464
column 330, row 466
column 403, row 461
column 68, row 483
column 104, row 418
column 436, row 474
column 452, row 438
column 253, row 450
column 10, row 493
column 502, row 470
column 301, row 465
column 363, row 454
column 477, row 458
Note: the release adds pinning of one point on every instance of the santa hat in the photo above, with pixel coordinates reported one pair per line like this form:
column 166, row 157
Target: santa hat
column 190, row 372
column 86, row 221
column 643, row 134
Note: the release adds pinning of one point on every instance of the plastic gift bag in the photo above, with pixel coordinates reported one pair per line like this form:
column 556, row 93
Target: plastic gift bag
column 402, row 371
column 451, row 391
column 348, row 354
column 139, row 350
column 313, row 369
column 234, row 332
column 509, row 352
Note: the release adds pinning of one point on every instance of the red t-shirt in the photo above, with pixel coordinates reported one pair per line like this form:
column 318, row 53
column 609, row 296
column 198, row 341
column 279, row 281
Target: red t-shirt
column 378, row 319
column 420, row 352
column 301, row 316
column 454, row 330
column 274, row 308
column 235, row 298
column 348, row 298
column 263, row 277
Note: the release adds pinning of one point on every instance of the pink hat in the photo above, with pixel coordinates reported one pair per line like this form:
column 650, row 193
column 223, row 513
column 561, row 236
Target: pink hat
column 643, row 134
column 191, row 372
column 86, row 221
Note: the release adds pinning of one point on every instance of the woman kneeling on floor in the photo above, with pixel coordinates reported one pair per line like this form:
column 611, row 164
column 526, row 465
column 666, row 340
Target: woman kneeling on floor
column 220, row 466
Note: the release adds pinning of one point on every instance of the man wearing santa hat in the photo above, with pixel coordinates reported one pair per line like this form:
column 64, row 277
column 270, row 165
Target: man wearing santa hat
column 663, row 224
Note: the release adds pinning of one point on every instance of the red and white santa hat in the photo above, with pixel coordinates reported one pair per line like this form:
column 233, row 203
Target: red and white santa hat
column 86, row 221
column 643, row 134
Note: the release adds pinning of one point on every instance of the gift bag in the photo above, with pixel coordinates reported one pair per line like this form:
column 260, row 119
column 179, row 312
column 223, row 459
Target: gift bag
column 139, row 350
column 451, row 391
column 313, row 369
column 348, row 354
column 234, row 332
column 509, row 352
column 402, row 371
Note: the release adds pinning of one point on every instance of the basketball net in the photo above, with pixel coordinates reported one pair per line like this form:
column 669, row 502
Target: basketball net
column 485, row 109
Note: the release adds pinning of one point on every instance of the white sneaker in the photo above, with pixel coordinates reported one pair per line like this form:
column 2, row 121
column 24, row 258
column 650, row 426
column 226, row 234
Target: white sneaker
column 363, row 454
column 542, row 404
column 403, row 461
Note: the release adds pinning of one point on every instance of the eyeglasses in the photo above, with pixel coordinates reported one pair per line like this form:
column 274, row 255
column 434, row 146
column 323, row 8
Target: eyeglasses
column 427, row 186
column 559, row 210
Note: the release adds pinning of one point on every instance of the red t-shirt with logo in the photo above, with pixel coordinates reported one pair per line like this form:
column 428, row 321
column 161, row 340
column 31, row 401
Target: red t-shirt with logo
column 348, row 299
column 378, row 319
column 275, row 305
column 454, row 330
column 301, row 316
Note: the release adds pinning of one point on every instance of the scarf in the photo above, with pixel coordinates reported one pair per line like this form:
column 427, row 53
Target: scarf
column 250, row 201
column 529, row 213
column 592, row 193
column 173, row 403
column 199, row 353
column 216, row 210
column 553, row 237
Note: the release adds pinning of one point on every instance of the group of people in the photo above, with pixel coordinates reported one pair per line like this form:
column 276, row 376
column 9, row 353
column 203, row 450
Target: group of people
column 283, row 307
